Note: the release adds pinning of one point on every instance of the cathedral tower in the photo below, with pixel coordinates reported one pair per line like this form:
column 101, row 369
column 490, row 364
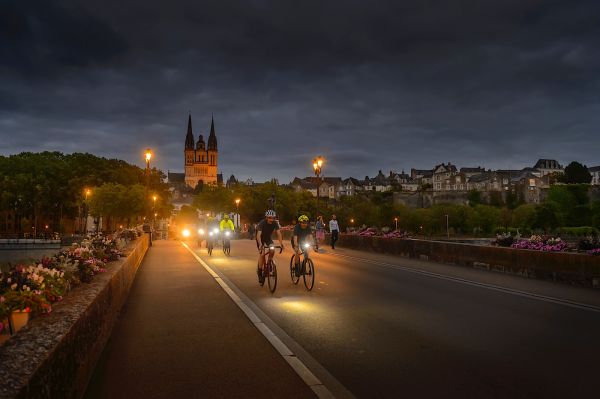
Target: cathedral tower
column 200, row 159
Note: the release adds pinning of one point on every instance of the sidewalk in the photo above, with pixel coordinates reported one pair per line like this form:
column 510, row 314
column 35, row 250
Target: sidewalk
column 180, row 336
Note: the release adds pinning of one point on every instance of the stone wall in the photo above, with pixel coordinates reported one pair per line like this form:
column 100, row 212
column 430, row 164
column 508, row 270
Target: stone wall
column 581, row 269
column 54, row 355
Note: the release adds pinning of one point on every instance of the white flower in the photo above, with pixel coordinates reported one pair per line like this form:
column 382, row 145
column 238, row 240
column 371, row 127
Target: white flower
column 14, row 286
column 8, row 280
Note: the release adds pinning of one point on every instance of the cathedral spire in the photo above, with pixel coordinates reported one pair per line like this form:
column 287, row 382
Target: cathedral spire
column 189, row 138
column 212, row 138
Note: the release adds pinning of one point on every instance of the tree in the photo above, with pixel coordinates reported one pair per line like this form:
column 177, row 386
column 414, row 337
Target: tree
column 547, row 216
column 576, row 173
column 524, row 216
column 474, row 197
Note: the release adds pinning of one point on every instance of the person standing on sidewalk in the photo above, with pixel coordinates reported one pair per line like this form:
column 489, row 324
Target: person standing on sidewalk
column 320, row 229
column 334, row 229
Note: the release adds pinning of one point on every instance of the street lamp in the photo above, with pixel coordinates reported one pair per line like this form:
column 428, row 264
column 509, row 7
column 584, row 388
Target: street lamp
column 88, row 192
column 396, row 220
column 237, row 207
column 317, row 166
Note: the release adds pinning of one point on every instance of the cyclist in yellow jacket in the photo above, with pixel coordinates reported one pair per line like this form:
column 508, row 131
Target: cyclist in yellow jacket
column 226, row 224
column 227, row 228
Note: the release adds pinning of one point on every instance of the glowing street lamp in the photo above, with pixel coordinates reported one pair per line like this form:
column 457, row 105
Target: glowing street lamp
column 317, row 166
column 396, row 220
column 237, row 207
column 87, row 192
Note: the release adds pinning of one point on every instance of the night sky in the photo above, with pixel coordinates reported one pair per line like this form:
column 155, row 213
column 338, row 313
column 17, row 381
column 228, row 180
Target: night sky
column 368, row 85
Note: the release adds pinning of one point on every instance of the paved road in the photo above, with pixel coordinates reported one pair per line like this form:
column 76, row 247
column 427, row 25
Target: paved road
column 385, row 326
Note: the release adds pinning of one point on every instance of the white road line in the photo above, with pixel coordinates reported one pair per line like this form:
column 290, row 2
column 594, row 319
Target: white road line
column 544, row 298
column 297, row 365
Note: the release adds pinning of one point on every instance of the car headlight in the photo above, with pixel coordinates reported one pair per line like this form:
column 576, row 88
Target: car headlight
column 227, row 234
column 185, row 233
column 201, row 232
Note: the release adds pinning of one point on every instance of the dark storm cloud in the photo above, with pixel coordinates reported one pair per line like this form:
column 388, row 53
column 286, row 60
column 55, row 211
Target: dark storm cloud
column 377, row 85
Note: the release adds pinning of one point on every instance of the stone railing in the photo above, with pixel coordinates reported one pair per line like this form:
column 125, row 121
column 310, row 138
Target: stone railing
column 581, row 269
column 54, row 355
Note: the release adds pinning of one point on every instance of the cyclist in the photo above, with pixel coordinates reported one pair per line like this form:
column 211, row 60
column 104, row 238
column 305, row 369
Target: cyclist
column 211, row 225
column 302, row 235
column 264, row 230
column 226, row 225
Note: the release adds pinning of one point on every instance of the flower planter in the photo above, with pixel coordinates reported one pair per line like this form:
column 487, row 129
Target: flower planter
column 18, row 320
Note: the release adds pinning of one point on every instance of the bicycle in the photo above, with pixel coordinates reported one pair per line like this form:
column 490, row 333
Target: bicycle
column 210, row 241
column 227, row 243
column 269, row 268
column 307, row 268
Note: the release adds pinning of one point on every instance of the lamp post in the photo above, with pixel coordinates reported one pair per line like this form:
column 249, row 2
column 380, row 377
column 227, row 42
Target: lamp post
column 396, row 220
column 237, row 208
column 147, row 157
column 87, row 208
column 317, row 166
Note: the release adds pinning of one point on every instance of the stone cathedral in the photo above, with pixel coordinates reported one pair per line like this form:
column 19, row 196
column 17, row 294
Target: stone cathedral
column 200, row 158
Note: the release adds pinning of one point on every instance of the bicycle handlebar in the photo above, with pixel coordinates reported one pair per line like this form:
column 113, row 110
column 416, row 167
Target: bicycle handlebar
column 273, row 247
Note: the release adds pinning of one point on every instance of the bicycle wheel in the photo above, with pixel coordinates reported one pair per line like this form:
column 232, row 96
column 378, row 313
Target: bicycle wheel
column 309, row 274
column 272, row 276
column 293, row 272
column 227, row 247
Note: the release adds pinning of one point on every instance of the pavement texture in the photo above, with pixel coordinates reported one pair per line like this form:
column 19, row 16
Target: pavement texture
column 388, row 327
column 180, row 336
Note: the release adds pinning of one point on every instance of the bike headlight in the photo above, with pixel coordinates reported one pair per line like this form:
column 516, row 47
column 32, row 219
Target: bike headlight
column 210, row 234
column 185, row 233
column 201, row 232
column 227, row 234
column 307, row 245
column 271, row 247
column 216, row 231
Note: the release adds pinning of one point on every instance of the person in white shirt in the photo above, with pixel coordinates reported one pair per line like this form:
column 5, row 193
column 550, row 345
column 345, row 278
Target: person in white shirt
column 334, row 229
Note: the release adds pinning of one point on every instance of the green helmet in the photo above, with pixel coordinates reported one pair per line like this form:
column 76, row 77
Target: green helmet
column 226, row 216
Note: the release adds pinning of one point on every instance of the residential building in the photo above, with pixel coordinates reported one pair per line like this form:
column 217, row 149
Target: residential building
column 595, row 172
column 548, row 166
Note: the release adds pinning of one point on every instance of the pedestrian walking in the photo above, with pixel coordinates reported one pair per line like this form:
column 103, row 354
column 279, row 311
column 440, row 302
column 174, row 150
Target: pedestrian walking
column 334, row 229
column 320, row 229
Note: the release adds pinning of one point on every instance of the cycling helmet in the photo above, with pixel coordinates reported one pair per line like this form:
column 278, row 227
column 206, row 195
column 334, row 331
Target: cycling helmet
column 225, row 216
column 270, row 213
column 303, row 218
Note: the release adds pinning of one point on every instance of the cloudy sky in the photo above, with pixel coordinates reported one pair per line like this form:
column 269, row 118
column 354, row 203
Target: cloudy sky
column 369, row 85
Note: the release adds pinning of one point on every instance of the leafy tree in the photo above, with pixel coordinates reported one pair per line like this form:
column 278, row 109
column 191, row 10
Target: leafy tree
column 547, row 216
column 576, row 173
column 524, row 216
column 474, row 197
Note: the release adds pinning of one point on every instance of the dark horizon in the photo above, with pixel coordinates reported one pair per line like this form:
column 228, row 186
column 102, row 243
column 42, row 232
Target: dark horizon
column 387, row 86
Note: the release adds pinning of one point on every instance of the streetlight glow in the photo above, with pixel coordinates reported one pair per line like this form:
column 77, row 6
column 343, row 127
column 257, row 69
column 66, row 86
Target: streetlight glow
column 148, row 154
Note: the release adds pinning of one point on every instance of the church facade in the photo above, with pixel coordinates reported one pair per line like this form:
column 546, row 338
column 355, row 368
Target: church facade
column 201, row 159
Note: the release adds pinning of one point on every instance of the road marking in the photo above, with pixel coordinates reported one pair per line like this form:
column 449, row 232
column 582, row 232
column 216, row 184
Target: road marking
column 297, row 365
column 539, row 297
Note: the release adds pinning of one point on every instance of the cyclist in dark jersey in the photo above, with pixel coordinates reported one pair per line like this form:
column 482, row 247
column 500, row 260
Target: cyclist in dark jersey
column 264, row 230
column 302, row 235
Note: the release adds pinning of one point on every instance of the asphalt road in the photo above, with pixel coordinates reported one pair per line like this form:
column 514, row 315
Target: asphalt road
column 386, row 326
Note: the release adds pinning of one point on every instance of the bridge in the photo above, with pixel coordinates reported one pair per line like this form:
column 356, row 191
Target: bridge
column 373, row 326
